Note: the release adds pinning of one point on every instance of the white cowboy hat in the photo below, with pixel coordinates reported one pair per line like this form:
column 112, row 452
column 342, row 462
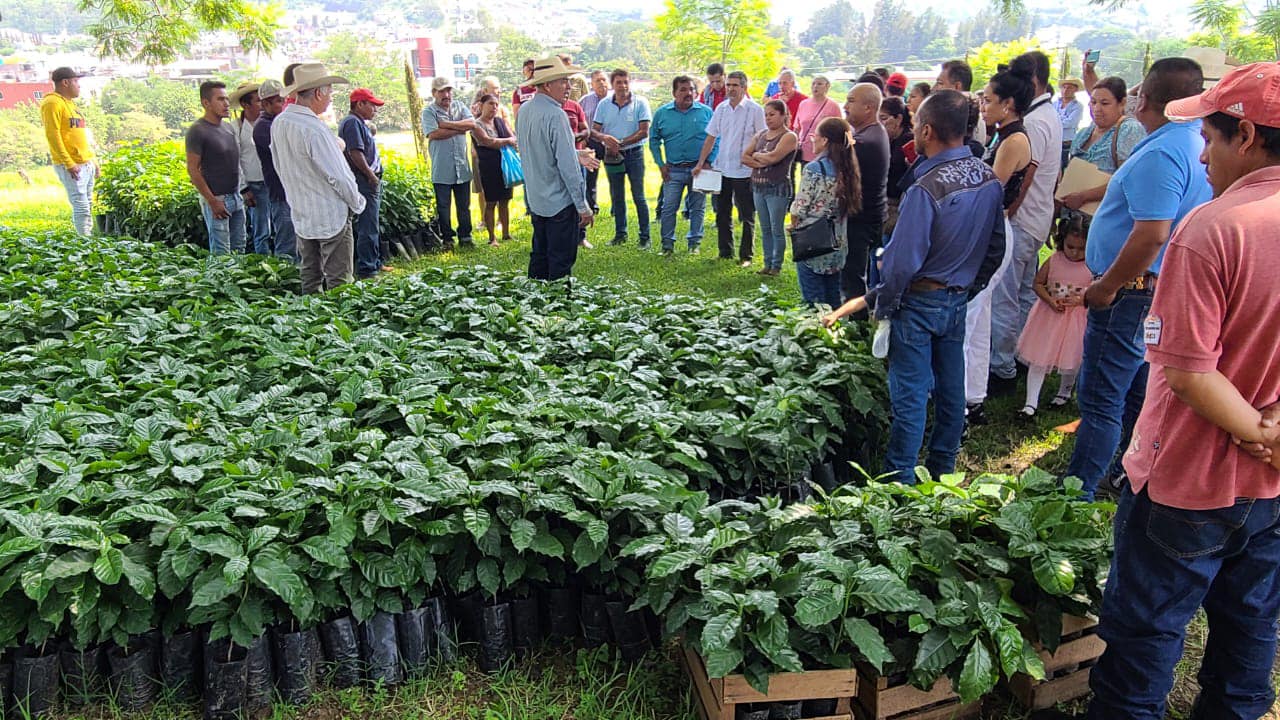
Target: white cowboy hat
column 1214, row 63
column 308, row 76
column 241, row 90
column 551, row 68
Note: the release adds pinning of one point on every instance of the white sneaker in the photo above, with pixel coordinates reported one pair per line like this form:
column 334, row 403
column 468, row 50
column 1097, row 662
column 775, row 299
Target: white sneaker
column 1028, row 410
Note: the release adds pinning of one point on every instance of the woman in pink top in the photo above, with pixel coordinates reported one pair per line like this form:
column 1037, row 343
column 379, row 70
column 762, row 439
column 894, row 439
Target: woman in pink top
column 811, row 112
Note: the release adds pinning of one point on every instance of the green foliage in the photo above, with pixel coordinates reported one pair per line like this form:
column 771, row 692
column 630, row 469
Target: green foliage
column 941, row 578
column 45, row 17
column 22, row 143
column 984, row 59
column 161, row 31
column 514, row 47
column 147, row 190
column 1232, row 26
column 200, row 447
column 366, row 65
column 734, row 32
column 176, row 103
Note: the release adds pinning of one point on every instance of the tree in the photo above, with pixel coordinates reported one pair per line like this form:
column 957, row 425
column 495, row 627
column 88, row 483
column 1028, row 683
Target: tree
column 368, row 66
column 159, row 31
column 176, row 104
column 45, row 16
column 732, row 32
column 984, row 59
column 22, row 143
column 1231, row 26
column 839, row 19
column 514, row 47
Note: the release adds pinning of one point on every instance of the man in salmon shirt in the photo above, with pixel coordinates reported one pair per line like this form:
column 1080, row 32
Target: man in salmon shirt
column 1199, row 525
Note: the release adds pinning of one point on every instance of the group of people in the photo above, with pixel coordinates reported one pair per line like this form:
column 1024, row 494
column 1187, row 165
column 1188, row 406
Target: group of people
column 924, row 208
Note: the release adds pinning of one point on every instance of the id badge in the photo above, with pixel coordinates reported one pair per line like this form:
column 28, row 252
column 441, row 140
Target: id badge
column 1151, row 328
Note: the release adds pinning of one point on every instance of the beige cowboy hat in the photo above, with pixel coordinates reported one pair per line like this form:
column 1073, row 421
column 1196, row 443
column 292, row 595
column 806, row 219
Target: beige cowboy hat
column 1214, row 63
column 241, row 90
column 551, row 68
column 308, row 76
column 1079, row 84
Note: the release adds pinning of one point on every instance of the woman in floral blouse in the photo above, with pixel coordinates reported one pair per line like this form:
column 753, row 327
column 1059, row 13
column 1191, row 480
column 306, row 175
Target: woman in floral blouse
column 830, row 189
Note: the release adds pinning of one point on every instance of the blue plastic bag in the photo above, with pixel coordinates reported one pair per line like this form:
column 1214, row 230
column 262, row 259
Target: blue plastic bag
column 512, row 169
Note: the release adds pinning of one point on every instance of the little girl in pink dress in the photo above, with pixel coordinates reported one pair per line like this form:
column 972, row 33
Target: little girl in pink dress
column 1053, row 338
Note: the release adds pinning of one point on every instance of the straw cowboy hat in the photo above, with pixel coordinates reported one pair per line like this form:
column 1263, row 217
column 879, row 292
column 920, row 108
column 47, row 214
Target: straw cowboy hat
column 309, row 76
column 1075, row 81
column 241, row 90
column 552, row 68
column 1213, row 62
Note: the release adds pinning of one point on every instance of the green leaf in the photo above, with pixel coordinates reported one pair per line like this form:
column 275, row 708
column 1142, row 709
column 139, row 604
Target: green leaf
column 109, row 566
column 476, row 521
column 821, row 604
column 547, row 544
column 936, row 652
column 721, row 631
column 722, row 662
column 585, row 551
column 139, row 575
column 1054, row 573
column 881, row 589
column 979, row 673
column 523, row 533
column 868, row 641
column 150, row 513
column 489, row 576
column 672, row 562
column 218, row 544
column 324, row 550
column 235, row 568
column 210, row 588
column 279, row 578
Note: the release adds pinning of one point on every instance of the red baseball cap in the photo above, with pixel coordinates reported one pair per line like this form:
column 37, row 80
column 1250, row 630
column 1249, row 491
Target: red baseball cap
column 898, row 80
column 364, row 94
column 1248, row 92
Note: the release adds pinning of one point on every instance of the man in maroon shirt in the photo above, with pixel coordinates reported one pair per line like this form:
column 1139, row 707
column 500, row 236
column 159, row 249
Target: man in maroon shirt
column 714, row 93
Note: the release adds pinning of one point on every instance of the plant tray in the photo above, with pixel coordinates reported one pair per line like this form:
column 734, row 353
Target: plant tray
column 1066, row 671
column 718, row 698
column 879, row 699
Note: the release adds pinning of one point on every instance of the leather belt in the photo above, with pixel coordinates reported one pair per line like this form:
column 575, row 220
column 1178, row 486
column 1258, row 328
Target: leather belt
column 1143, row 283
column 682, row 165
column 927, row 285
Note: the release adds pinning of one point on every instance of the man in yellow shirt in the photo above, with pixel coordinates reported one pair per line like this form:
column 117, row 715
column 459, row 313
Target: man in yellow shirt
column 64, row 127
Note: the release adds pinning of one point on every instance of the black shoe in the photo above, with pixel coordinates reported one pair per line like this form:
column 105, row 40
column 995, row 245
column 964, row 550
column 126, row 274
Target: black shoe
column 668, row 252
column 645, row 244
column 1001, row 387
column 975, row 415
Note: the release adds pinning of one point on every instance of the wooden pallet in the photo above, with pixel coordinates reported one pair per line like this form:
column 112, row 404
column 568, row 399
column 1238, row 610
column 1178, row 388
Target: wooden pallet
column 878, row 699
column 1066, row 671
column 718, row 698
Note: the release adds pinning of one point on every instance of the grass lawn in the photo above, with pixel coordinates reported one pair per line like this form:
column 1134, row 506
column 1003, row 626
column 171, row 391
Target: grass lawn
column 590, row 686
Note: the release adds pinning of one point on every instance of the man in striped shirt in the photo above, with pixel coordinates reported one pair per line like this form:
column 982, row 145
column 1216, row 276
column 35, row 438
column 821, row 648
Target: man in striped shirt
column 316, row 179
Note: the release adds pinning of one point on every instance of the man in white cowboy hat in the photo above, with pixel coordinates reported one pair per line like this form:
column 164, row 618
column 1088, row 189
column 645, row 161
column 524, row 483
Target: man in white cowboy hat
column 317, row 180
column 213, row 165
column 554, row 187
column 257, row 204
column 446, row 123
column 1069, row 113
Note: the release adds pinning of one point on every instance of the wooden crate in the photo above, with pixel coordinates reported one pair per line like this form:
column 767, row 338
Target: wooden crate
column 1066, row 671
column 718, row 698
column 879, row 699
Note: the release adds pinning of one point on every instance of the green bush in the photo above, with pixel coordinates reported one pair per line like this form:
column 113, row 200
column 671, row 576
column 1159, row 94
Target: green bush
column 147, row 191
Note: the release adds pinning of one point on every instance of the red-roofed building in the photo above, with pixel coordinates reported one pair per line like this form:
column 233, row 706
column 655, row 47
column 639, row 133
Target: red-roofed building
column 13, row 94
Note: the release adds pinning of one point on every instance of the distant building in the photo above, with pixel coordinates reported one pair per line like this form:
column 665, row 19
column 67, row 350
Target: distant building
column 13, row 94
column 464, row 62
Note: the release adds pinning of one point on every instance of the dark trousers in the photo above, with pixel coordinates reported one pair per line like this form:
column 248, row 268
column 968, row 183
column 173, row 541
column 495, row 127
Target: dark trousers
column 593, row 178
column 555, row 244
column 735, row 191
column 461, row 195
column 864, row 237
column 369, row 258
column 1168, row 563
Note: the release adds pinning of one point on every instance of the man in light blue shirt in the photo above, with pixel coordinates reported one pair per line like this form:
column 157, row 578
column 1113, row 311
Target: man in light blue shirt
column 679, row 129
column 446, row 123
column 1069, row 114
column 554, row 187
column 621, row 124
column 1160, row 183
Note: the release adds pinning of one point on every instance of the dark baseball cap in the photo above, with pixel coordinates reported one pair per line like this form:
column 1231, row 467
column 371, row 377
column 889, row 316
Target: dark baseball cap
column 65, row 73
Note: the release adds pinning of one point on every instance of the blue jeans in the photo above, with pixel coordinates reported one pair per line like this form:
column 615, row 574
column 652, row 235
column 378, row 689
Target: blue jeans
column 1012, row 297
column 79, row 194
column 368, row 250
column 260, row 217
column 282, row 222
column 1167, row 564
column 680, row 180
column 818, row 288
column 633, row 164
column 555, row 244
column 772, row 210
column 926, row 355
column 225, row 235
column 1111, row 387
